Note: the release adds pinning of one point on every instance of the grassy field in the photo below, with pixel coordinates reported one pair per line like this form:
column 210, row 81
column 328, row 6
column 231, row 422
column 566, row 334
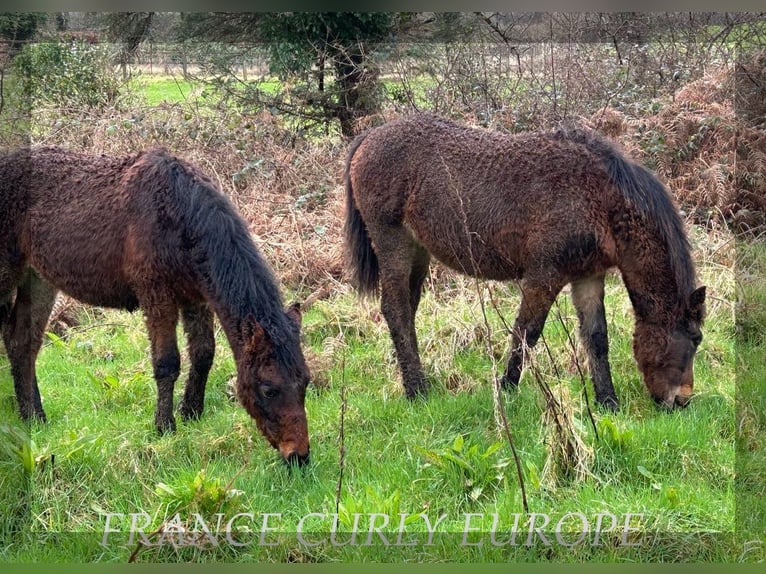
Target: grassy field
column 659, row 486
column 751, row 391
column 391, row 480
column 164, row 89
column 159, row 89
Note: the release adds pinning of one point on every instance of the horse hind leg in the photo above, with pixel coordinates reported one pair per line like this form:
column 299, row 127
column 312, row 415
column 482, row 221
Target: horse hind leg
column 23, row 329
column 198, row 326
column 418, row 276
column 397, row 255
column 588, row 299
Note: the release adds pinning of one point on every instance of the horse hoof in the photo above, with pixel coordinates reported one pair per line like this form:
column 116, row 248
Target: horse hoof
column 165, row 427
column 37, row 416
column 415, row 392
column 609, row 403
column 192, row 415
column 189, row 413
column 508, row 383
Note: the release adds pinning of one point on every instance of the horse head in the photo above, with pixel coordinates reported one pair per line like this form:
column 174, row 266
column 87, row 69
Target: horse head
column 665, row 356
column 272, row 377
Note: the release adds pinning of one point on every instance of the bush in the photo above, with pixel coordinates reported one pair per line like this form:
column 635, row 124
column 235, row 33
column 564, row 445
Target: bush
column 67, row 74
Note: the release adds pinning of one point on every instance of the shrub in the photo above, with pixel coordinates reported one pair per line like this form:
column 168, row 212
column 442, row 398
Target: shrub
column 67, row 74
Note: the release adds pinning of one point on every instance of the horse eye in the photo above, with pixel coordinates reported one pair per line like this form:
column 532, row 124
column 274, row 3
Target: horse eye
column 269, row 392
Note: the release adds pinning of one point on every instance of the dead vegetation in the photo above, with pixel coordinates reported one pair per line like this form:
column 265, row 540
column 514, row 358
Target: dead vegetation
column 707, row 143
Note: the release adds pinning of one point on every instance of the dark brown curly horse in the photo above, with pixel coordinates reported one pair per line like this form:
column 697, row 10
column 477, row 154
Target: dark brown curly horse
column 148, row 231
column 548, row 209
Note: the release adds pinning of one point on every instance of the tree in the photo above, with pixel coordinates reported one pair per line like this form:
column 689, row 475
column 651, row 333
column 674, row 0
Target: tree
column 310, row 48
column 17, row 28
column 129, row 29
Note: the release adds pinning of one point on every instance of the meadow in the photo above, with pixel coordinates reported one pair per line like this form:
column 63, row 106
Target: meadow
column 389, row 479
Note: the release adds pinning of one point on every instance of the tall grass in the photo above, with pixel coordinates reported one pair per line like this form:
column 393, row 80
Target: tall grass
column 751, row 393
column 98, row 453
column 675, row 475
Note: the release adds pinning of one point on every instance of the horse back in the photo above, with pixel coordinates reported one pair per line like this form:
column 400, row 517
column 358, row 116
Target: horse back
column 488, row 204
column 75, row 220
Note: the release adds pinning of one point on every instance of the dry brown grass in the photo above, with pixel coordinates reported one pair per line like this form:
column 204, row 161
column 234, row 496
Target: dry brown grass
column 710, row 154
column 289, row 188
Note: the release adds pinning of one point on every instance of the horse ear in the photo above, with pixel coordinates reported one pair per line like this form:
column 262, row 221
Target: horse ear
column 697, row 303
column 294, row 313
column 253, row 335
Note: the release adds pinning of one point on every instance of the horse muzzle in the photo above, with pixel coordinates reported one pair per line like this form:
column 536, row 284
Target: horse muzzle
column 673, row 399
column 292, row 455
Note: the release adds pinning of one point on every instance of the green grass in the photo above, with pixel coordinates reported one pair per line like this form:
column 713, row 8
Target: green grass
column 444, row 457
column 164, row 89
column 751, row 392
column 15, row 114
column 156, row 89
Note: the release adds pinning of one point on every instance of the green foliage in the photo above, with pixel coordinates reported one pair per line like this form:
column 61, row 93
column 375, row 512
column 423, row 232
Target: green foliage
column 16, row 444
column 197, row 494
column 464, row 467
column 67, row 74
column 20, row 27
column 351, row 507
column 297, row 40
column 611, row 435
column 751, row 292
column 327, row 58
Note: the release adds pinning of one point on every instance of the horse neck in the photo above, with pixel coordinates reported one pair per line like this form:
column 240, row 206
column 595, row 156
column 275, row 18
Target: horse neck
column 231, row 325
column 651, row 282
column 240, row 286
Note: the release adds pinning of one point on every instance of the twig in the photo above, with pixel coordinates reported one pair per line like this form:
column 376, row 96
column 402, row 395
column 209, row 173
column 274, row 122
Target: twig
column 320, row 293
column 498, row 399
column 580, row 372
column 140, row 544
column 341, row 435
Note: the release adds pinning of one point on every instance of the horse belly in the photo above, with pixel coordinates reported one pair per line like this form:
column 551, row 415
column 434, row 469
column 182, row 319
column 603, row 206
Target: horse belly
column 93, row 276
column 495, row 256
column 89, row 287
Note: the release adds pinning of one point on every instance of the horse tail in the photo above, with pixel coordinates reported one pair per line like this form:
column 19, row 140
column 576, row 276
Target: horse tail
column 360, row 256
column 642, row 189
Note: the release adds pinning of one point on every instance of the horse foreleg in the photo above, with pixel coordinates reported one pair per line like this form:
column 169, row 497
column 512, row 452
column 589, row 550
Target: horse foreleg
column 23, row 330
column 198, row 326
column 588, row 299
column 161, row 322
column 6, row 305
column 536, row 302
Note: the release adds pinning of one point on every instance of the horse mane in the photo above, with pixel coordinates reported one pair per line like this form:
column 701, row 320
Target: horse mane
column 642, row 189
column 223, row 255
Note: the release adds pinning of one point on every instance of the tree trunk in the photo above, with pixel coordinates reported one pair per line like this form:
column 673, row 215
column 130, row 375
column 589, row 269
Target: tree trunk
column 357, row 92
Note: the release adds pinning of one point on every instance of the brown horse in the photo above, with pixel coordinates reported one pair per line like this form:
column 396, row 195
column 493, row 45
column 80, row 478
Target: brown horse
column 148, row 231
column 548, row 209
